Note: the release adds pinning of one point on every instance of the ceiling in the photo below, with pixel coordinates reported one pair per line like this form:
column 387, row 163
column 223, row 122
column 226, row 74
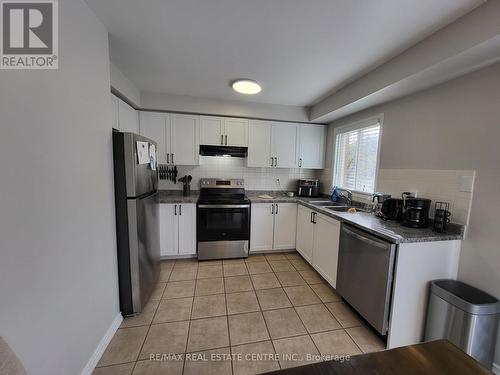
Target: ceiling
column 299, row 50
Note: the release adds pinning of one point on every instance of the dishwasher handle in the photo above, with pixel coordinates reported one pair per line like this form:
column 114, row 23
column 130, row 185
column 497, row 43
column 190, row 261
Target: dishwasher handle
column 366, row 238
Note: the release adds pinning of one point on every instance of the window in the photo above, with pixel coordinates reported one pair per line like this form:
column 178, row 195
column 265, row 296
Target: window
column 356, row 156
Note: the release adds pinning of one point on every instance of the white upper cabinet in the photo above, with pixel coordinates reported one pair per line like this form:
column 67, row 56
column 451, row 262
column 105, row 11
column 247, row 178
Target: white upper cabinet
column 184, row 139
column 127, row 118
column 211, row 130
column 154, row 126
column 176, row 136
column 222, row 131
column 236, row 132
column 284, row 145
column 312, row 140
column 259, row 144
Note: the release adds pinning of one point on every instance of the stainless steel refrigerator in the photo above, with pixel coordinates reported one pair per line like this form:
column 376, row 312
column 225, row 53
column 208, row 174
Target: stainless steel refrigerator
column 137, row 220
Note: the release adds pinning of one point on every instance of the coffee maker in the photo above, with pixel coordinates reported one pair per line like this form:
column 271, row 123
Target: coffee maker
column 415, row 211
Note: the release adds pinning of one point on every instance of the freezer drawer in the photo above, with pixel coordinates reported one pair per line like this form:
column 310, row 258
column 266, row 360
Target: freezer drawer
column 365, row 274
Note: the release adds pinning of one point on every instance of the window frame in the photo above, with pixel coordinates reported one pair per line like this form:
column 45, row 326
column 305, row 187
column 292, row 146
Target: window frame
column 366, row 122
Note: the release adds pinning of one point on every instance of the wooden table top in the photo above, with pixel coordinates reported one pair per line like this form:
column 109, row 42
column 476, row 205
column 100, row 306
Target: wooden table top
column 432, row 358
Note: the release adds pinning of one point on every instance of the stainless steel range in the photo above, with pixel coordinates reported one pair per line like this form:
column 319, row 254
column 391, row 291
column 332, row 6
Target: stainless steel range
column 223, row 219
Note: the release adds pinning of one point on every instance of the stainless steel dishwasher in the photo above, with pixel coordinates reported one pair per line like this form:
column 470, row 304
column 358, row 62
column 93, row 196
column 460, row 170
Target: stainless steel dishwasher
column 365, row 273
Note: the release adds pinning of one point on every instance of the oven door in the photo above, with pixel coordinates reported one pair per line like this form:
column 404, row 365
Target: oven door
column 223, row 231
column 230, row 222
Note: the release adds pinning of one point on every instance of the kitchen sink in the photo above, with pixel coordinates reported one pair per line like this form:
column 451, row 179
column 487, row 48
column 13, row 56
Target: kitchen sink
column 325, row 203
column 344, row 208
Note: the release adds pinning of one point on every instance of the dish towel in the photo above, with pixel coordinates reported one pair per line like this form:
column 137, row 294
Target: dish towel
column 9, row 363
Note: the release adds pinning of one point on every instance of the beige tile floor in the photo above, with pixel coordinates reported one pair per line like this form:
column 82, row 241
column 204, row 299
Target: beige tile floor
column 236, row 317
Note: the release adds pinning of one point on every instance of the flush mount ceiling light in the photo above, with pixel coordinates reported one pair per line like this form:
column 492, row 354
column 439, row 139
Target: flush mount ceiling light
column 246, row 86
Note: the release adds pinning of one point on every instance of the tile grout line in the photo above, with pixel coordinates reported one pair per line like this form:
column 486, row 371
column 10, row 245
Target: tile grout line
column 189, row 325
column 264, row 319
column 149, row 327
column 227, row 320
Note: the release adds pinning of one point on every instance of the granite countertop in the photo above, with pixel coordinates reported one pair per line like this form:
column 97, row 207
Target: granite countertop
column 175, row 196
column 391, row 231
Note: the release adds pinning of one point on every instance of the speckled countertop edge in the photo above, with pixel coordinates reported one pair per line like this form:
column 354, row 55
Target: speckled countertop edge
column 390, row 231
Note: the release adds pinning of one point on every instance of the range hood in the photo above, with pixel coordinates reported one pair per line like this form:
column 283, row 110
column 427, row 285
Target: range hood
column 237, row 152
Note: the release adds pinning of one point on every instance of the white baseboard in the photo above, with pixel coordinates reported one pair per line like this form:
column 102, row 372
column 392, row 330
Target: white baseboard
column 496, row 369
column 103, row 344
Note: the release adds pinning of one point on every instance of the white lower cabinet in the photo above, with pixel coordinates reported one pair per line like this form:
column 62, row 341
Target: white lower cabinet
column 177, row 229
column 305, row 232
column 187, row 229
column 273, row 226
column 285, row 226
column 325, row 253
column 318, row 239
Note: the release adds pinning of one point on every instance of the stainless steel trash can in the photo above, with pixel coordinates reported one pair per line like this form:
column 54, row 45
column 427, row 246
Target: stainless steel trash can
column 466, row 316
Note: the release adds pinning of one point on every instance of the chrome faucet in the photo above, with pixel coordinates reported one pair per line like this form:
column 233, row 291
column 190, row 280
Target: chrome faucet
column 346, row 194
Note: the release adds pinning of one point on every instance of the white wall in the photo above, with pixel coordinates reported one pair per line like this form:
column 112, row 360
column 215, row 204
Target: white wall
column 57, row 230
column 180, row 103
column 453, row 126
column 124, row 86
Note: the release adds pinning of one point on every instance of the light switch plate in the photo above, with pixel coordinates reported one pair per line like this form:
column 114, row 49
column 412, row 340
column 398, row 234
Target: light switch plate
column 466, row 183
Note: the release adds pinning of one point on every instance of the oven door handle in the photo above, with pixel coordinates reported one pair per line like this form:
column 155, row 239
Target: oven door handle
column 223, row 206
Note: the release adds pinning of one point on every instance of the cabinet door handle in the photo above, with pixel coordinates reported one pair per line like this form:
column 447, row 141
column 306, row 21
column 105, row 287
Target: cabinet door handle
column 226, row 140
column 172, row 158
column 312, row 217
column 168, row 158
column 222, row 140
column 180, row 210
column 175, row 210
column 300, row 162
column 272, row 159
column 276, row 208
column 272, row 209
column 275, row 161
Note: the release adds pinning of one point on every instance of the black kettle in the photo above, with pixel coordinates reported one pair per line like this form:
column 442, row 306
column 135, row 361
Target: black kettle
column 415, row 211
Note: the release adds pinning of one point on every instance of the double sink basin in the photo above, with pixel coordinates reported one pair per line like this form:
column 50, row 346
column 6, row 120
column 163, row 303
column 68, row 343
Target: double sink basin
column 336, row 207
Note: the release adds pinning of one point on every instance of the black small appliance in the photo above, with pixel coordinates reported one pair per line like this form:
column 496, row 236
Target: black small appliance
column 415, row 212
column 392, row 209
column 308, row 188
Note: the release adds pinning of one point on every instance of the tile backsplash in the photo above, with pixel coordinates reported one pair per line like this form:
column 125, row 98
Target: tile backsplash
column 231, row 167
column 437, row 185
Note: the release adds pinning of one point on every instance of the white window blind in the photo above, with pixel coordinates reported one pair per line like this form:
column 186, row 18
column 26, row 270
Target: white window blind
column 356, row 155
